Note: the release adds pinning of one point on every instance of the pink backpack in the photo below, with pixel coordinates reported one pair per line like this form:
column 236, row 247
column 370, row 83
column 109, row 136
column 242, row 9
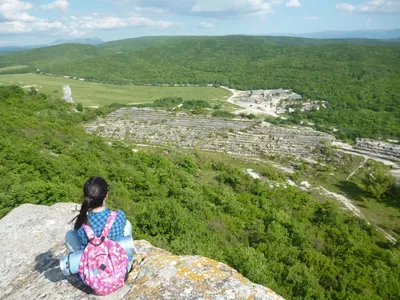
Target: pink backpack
column 104, row 262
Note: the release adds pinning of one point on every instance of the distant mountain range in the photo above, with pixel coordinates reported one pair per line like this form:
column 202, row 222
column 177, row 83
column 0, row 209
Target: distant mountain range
column 356, row 34
column 88, row 41
column 388, row 35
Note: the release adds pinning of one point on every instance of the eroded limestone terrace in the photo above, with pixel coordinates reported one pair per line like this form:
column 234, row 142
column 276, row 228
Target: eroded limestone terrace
column 233, row 136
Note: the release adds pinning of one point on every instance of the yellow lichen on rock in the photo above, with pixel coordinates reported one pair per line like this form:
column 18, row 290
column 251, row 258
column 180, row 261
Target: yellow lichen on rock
column 34, row 273
column 166, row 276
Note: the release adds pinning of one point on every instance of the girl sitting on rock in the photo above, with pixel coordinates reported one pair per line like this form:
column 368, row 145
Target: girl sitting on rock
column 95, row 213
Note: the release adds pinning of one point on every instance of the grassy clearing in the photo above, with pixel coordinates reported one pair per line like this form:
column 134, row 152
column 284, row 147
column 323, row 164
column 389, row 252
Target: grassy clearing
column 334, row 180
column 385, row 216
column 225, row 105
column 382, row 214
column 100, row 94
column 13, row 68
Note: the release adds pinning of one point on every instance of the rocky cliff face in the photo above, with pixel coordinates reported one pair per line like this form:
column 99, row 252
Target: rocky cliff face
column 32, row 240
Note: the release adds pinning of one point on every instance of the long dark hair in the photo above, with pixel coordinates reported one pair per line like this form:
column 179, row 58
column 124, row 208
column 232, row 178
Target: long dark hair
column 95, row 191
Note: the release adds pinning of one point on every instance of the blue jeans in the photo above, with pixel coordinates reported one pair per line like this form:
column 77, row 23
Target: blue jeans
column 74, row 243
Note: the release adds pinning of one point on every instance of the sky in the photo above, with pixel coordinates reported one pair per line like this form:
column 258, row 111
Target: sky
column 33, row 22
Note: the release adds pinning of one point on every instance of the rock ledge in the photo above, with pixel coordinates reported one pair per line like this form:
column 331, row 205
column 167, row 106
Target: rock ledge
column 33, row 241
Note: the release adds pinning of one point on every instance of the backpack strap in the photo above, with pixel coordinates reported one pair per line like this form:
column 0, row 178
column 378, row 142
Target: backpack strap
column 109, row 223
column 89, row 231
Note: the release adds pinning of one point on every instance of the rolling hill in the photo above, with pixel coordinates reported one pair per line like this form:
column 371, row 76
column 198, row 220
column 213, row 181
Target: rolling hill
column 47, row 55
column 87, row 41
column 368, row 34
column 358, row 77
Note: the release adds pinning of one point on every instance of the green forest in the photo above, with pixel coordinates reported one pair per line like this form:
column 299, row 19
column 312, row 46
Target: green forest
column 359, row 78
column 194, row 203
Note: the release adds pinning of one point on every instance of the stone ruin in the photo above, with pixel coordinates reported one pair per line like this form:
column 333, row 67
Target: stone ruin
column 67, row 94
column 232, row 136
column 275, row 102
column 379, row 149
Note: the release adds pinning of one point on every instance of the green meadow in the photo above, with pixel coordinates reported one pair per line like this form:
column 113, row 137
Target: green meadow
column 100, row 94
column 13, row 68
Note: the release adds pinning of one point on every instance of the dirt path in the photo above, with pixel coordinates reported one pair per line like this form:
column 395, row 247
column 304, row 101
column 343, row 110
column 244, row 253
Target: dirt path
column 350, row 206
column 395, row 172
column 360, row 166
column 343, row 199
column 250, row 110
column 346, row 148
column 387, row 235
column 235, row 93
column 338, row 197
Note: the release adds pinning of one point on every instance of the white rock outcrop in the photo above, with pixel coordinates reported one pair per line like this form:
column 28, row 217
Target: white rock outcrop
column 67, row 94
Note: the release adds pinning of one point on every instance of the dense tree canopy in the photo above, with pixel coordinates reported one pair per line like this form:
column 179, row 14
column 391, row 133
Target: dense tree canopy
column 195, row 204
column 359, row 78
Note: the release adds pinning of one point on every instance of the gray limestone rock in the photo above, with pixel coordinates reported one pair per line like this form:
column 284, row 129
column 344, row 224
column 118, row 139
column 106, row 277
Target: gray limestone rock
column 232, row 136
column 33, row 242
column 67, row 94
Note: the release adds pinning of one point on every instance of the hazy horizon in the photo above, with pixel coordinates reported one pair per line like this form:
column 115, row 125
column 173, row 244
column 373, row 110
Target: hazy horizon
column 36, row 22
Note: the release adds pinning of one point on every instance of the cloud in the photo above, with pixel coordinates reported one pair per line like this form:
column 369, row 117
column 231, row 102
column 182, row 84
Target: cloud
column 293, row 3
column 12, row 27
column 58, row 4
column 15, row 10
column 92, row 23
column 25, row 27
column 211, row 8
column 207, row 25
column 76, row 33
column 372, row 6
column 311, row 18
column 345, row 7
column 15, row 18
column 234, row 7
column 151, row 10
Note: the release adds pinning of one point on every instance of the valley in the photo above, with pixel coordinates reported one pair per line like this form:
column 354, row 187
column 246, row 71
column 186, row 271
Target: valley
column 357, row 78
column 300, row 149
column 277, row 156
column 101, row 94
column 291, row 147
